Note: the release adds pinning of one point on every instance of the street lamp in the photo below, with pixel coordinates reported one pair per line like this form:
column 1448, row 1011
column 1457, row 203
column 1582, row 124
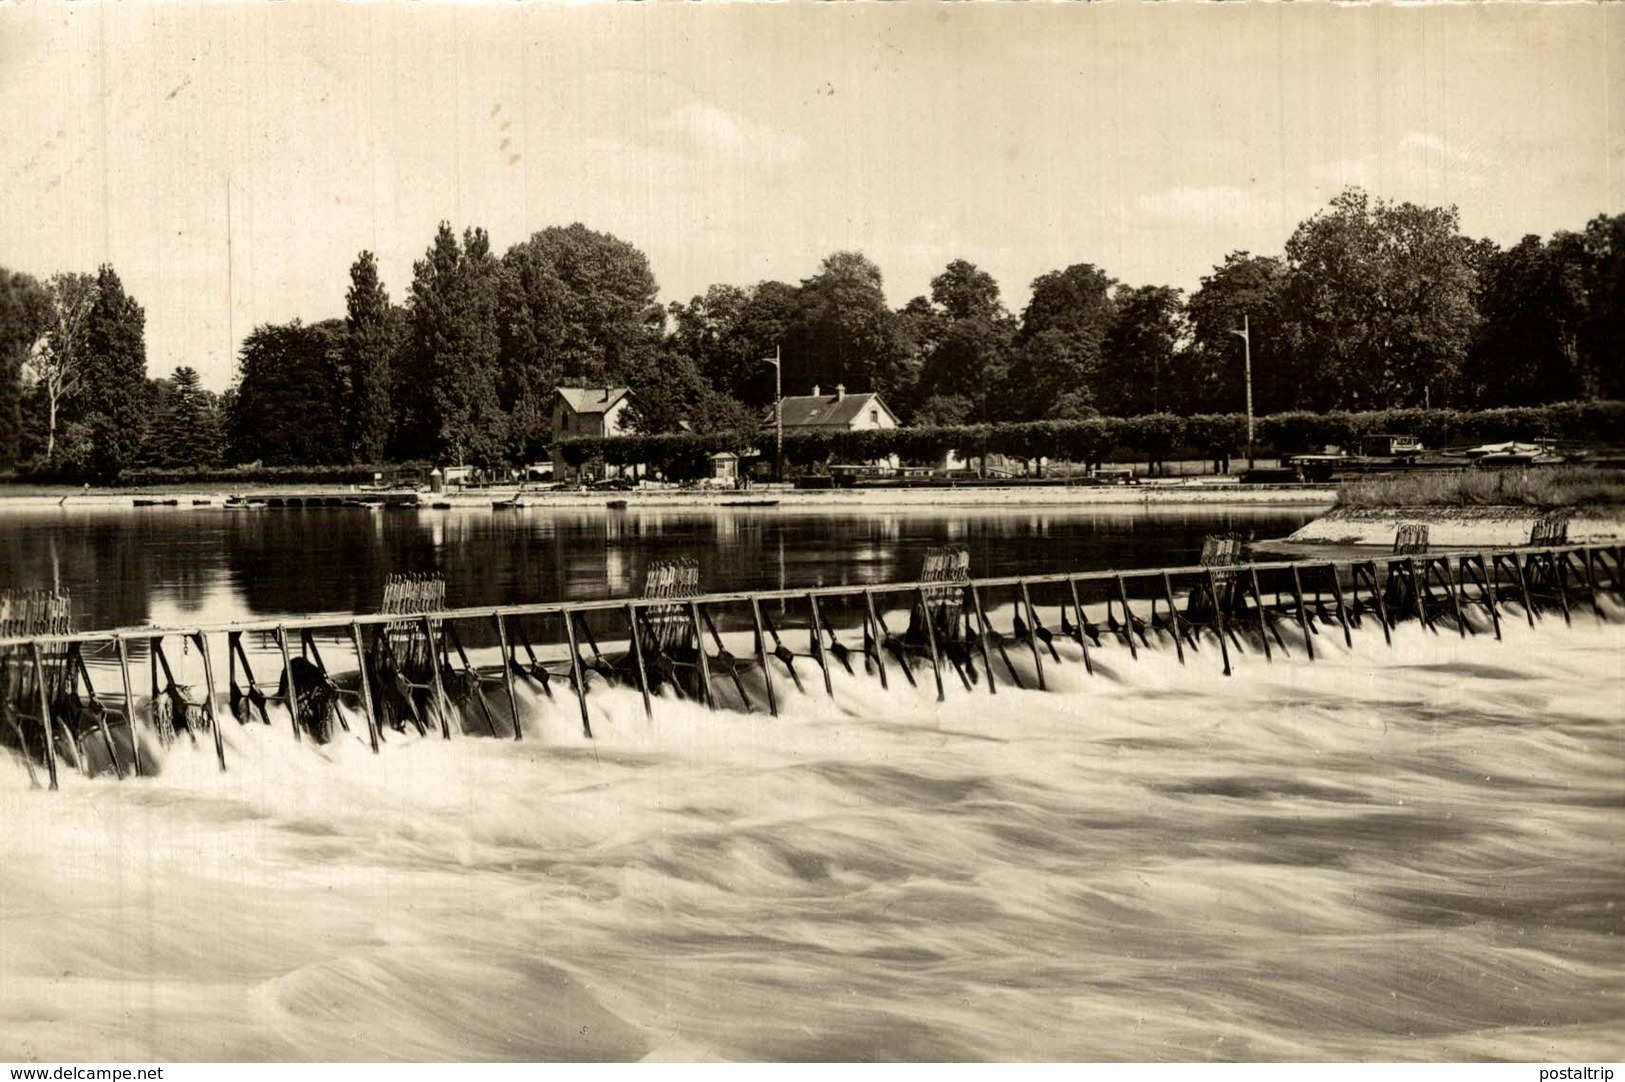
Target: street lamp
column 778, row 413
column 1246, row 335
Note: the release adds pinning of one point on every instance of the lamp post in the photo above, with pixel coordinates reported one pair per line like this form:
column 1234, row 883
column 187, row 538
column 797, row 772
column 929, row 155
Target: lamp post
column 778, row 413
column 1246, row 335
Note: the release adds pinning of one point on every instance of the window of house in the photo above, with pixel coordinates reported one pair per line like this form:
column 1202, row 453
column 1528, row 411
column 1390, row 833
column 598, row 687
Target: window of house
column 874, row 417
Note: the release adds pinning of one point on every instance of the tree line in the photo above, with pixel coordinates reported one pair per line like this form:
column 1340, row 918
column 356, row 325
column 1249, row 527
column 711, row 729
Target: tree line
column 1153, row 437
column 75, row 399
column 1372, row 305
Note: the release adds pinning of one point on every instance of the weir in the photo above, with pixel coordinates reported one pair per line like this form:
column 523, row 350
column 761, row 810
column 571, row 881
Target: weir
column 407, row 670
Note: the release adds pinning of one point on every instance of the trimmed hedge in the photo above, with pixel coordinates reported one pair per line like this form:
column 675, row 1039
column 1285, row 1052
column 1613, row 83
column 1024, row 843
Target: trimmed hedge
column 1156, row 437
column 262, row 475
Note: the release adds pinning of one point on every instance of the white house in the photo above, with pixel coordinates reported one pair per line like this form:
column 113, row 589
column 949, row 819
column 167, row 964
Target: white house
column 586, row 411
column 838, row 412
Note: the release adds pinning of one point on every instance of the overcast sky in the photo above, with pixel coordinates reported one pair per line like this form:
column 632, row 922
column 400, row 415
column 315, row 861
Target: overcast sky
column 743, row 142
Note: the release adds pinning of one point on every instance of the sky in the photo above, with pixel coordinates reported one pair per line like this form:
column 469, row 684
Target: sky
column 742, row 142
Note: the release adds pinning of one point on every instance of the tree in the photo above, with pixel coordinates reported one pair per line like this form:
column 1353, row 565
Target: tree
column 765, row 323
column 574, row 305
column 285, row 407
column 1383, row 296
column 920, row 328
column 187, row 430
column 1527, row 349
column 844, row 333
column 1143, row 369
column 1244, row 290
column 56, row 365
column 447, row 383
column 704, row 330
column 665, row 395
column 578, row 304
column 114, row 398
column 969, row 355
column 1602, row 335
column 370, row 342
column 1060, row 346
column 965, row 291
column 25, row 310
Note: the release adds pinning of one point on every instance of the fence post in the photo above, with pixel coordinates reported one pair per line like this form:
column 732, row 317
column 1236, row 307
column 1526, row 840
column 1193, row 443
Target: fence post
column 1265, row 628
column 700, row 658
column 1481, row 578
column 1173, row 616
column 366, row 686
column 1337, row 600
column 76, row 658
column 637, row 658
column 442, row 704
column 761, row 659
column 818, row 642
column 1128, row 617
column 45, row 712
column 931, row 641
column 984, row 633
column 291, row 699
column 208, row 698
column 1083, row 625
column 1032, row 635
column 981, row 638
column 579, row 678
column 129, row 703
column 1218, row 618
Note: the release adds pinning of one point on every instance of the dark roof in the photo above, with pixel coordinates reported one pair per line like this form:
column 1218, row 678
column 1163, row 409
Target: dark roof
column 827, row 410
column 591, row 399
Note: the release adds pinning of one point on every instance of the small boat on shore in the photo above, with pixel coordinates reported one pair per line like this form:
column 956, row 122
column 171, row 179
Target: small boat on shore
column 750, row 503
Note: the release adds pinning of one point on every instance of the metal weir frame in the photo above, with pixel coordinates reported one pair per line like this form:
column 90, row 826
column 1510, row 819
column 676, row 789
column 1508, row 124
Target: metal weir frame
column 1558, row 558
column 1432, row 588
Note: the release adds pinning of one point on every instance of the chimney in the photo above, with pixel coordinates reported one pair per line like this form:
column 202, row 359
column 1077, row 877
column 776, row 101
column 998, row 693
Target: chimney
column 840, row 391
column 815, row 390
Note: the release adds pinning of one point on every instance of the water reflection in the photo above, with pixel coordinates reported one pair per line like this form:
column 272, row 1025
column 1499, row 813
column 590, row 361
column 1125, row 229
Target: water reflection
column 204, row 565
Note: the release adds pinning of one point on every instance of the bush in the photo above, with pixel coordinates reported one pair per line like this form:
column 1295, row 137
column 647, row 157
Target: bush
column 1156, row 436
column 262, row 475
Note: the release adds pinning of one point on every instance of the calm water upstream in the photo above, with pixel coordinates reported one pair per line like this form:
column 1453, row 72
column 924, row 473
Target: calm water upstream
column 177, row 565
column 1389, row 853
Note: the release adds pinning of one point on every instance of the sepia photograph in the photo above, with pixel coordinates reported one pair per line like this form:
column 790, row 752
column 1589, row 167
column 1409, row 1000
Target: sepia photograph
column 806, row 532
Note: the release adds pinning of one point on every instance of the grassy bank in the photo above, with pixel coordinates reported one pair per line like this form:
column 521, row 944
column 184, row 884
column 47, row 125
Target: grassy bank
column 1537, row 487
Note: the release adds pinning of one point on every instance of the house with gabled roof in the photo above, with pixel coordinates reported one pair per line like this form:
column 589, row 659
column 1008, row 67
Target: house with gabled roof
column 838, row 412
column 587, row 411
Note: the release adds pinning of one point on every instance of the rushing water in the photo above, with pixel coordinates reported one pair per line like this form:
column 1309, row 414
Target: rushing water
column 184, row 565
column 1390, row 852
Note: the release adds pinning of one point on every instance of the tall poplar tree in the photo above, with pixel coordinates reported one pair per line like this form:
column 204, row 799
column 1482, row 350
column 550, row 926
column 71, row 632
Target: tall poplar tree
column 114, row 395
column 25, row 310
column 369, row 348
column 446, row 384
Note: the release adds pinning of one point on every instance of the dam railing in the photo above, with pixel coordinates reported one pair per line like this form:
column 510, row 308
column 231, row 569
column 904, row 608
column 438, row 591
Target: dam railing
column 409, row 670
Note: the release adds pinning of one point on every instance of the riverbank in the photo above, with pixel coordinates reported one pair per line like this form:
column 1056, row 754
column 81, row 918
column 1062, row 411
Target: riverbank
column 1538, row 488
column 1153, row 494
column 1472, row 508
column 1455, row 527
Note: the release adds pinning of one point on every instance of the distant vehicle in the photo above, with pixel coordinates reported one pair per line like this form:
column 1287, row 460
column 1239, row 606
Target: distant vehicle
column 1389, row 445
column 1516, row 453
column 1114, row 475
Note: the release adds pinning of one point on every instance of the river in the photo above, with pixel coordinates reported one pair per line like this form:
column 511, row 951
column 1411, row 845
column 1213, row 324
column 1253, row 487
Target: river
column 1406, row 852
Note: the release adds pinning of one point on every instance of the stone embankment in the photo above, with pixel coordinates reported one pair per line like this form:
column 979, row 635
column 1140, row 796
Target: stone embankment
column 875, row 499
column 1456, row 527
